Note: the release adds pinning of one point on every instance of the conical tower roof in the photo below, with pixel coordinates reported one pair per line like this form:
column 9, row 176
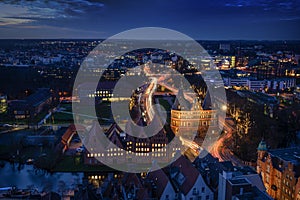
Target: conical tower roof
column 262, row 146
column 207, row 104
column 180, row 102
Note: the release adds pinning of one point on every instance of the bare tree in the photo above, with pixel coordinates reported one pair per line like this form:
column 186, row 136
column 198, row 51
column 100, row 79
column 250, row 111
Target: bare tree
column 62, row 187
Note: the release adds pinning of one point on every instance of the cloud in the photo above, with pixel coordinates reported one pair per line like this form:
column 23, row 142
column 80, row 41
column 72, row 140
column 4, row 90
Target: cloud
column 11, row 21
column 48, row 9
column 83, row 18
column 57, row 17
column 278, row 5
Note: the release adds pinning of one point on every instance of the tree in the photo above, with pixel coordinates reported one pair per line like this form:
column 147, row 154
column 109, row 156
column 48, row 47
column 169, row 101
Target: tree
column 61, row 187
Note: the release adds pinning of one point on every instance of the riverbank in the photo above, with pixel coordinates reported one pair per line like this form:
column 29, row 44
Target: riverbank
column 27, row 176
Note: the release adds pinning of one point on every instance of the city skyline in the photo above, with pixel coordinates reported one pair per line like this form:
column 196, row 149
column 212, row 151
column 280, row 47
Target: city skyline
column 179, row 99
column 205, row 20
column 227, row 155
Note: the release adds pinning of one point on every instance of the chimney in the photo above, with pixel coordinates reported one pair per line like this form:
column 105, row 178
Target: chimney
column 241, row 191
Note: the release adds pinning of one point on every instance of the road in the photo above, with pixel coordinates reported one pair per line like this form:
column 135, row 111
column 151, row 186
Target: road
column 161, row 80
column 218, row 148
column 148, row 99
column 193, row 146
column 175, row 91
column 220, row 151
column 20, row 127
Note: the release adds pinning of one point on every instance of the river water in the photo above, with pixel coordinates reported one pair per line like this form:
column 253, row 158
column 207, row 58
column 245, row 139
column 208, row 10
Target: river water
column 27, row 176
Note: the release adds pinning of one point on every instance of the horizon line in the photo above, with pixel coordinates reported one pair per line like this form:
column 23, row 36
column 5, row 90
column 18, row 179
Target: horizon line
column 138, row 39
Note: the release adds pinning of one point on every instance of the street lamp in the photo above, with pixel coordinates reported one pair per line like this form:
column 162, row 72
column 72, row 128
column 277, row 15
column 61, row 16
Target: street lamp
column 224, row 107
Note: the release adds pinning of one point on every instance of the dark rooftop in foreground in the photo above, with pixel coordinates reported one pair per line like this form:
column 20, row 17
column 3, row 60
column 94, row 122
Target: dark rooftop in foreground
column 288, row 154
column 238, row 181
column 255, row 194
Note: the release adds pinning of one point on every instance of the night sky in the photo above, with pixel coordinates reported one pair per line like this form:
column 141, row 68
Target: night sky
column 200, row 19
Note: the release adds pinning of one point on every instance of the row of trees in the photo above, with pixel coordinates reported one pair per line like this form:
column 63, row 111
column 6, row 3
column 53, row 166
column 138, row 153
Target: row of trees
column 252, row 125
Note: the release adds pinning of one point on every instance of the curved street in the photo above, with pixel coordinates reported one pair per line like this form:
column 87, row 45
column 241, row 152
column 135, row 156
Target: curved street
column 220, row 151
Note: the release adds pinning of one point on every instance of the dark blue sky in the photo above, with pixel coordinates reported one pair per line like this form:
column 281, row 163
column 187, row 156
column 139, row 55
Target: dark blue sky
column 200, row 19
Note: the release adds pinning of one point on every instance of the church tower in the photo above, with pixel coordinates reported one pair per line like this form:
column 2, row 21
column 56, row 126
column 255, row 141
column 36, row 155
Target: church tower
column 261, row 149
column 261, row 152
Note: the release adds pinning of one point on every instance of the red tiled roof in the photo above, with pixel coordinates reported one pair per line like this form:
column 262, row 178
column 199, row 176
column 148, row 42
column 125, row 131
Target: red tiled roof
column 142, row 193
column 132, row 179
column 70, row 131
column 160, row 179
column 188, row 171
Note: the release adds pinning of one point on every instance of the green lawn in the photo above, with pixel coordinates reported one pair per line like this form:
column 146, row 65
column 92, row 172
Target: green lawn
column 165, row 104
column 6, row 119
column 67, row 164
column 67, row 107
column 39, row 117
column 59, row 117
column 103, row 112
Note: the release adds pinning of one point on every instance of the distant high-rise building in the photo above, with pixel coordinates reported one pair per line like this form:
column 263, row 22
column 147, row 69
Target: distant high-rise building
column 3, row 103
column 232, row 61
column 224, row 62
